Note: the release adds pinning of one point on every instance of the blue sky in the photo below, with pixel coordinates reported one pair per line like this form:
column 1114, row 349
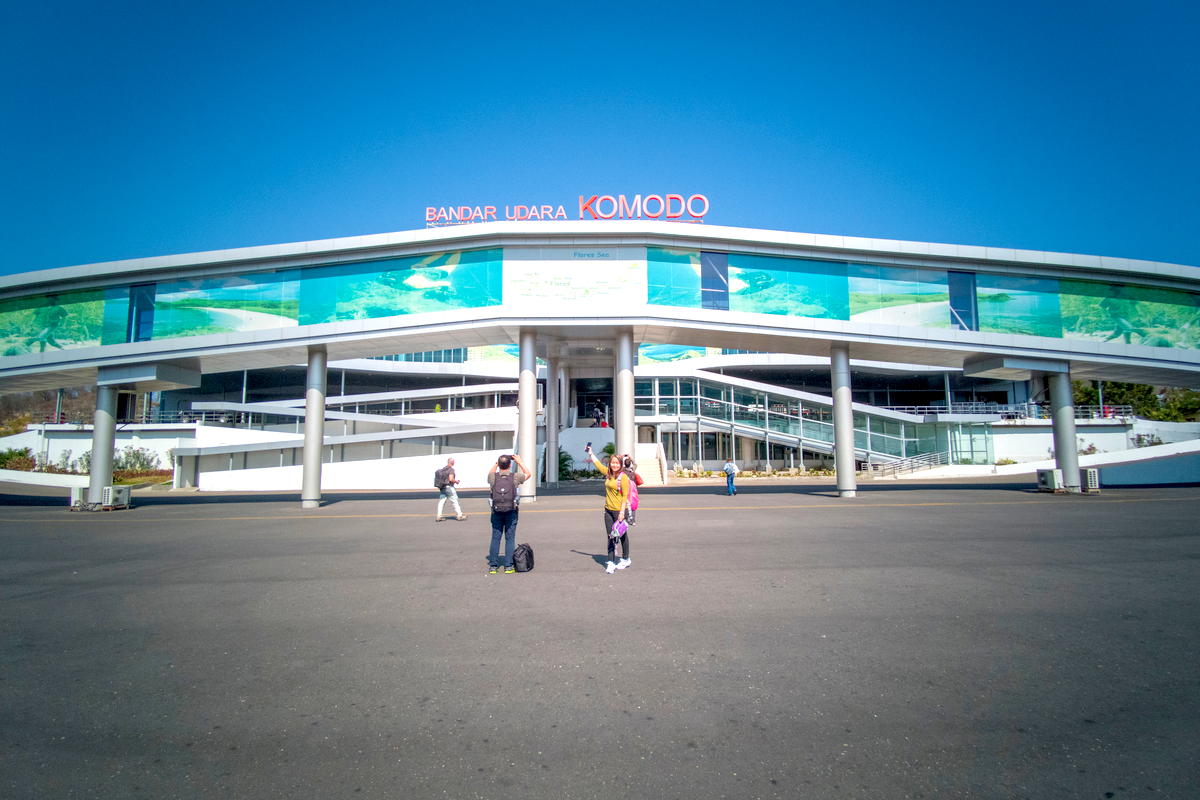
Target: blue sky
column 138, row 129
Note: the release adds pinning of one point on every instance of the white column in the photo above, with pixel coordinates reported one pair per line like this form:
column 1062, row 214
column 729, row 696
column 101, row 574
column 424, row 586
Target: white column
column 1066, row 448
column 552, row 415
column 623, row 399
column 314, row 427
column 527, row 411
column 843, row 420
column 104, row 434
column 573, row 393
column 767, row 427
column 564, row 419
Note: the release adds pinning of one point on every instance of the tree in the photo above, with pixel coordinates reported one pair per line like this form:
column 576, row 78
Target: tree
column 1146, row 403
column 1185, row 403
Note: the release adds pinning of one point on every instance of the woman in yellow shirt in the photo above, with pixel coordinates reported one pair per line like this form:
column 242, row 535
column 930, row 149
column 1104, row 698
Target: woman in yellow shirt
column 616, row 495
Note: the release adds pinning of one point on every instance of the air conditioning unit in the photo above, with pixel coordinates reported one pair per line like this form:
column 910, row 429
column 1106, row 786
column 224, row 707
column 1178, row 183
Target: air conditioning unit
column 1050, row 480
column 78, row 497
column 115, row 497
column 1091, row 480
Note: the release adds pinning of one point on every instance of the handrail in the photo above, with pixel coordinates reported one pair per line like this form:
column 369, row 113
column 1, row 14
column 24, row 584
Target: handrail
column 910, row 465
column 1018, row 410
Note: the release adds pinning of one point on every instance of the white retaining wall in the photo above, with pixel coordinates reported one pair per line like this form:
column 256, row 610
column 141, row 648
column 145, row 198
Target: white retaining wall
column 384, row 475
column 1167, row 463
column 43, row 478
column 1033, row 440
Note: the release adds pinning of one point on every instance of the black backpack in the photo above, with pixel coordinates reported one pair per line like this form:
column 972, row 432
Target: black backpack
column 504, row 492
column 441, row 478
column 523, row 558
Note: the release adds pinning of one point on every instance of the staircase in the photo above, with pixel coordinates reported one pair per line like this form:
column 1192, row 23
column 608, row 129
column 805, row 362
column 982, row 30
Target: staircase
column 650, row 467
column 907, row 466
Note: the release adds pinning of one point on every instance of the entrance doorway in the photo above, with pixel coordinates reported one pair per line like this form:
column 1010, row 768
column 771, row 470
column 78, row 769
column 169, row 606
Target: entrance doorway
column 592, row 391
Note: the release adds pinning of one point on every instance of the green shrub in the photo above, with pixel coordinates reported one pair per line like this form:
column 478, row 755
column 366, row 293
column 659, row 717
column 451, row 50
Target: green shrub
column 12, row 454
column 136, row 459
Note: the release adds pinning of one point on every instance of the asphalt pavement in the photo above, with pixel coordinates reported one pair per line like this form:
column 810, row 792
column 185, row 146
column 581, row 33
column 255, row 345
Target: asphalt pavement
column 931, row 639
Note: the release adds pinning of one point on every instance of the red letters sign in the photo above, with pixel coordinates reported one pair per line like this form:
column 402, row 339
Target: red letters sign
column 672, row 205
column 653, row 206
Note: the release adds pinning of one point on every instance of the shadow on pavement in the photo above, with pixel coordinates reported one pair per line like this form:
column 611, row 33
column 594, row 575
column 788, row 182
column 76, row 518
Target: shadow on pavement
column 598, row 558
column 36, row 496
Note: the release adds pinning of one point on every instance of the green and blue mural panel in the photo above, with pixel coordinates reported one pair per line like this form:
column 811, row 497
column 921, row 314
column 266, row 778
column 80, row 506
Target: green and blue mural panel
column 1045, row 307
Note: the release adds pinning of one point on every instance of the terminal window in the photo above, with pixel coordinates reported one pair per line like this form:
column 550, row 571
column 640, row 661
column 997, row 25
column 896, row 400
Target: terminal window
column 963, row 315
column 714, row 281
column 141, row 312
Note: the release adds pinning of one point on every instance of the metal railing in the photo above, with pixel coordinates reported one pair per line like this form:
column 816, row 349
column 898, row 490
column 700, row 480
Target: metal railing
column 809, row 427
column 236, row 418
column 1018, row 410
column 907, row 466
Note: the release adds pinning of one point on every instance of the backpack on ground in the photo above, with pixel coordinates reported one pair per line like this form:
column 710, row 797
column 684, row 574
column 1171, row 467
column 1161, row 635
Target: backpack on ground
column 523, row 558
column 441, row 478
column 504, row 492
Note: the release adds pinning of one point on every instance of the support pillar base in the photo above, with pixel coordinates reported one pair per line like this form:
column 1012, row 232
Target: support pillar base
column 848, row 493
column 310, row 503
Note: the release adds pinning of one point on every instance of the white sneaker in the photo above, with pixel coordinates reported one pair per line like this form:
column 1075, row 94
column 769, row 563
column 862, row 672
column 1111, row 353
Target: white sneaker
column 610, row 568
column 623, row 563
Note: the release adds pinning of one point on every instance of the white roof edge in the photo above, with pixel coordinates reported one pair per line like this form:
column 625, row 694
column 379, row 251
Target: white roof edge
column 478, row 234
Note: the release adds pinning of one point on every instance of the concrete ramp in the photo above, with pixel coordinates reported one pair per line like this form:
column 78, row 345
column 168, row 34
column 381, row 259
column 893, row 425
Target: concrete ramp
column 1178, row 462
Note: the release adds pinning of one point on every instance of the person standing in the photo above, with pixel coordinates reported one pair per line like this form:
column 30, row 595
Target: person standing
column 616, row 495
column 447, row 480
column 730, row 470
column 630, row 468
column 504, row 480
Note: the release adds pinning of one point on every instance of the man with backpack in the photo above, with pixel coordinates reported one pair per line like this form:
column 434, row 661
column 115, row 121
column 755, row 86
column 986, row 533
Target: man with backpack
column 444, row 481
column 504, row 481
column 730, row 469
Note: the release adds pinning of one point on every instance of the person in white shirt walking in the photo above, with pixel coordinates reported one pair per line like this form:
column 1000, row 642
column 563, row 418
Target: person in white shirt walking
column 445, row 479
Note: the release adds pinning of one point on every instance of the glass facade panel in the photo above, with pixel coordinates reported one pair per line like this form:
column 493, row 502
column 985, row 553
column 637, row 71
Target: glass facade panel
column 931, row 298
column 961, row 286
column 392, row 287
column 1018, row 305
column 51, row 322
column 896, row 296
column 221, row 305
column 672, row 277
column 819, row 413
column 456, row 356
column 663, row 353
column 887, row 445
column 782, row 424
column 792, row 286
column 818, row 431
column 714, row 281
column 971, row 443
column 116, row 315
column 643, row 388
column 1130, row 314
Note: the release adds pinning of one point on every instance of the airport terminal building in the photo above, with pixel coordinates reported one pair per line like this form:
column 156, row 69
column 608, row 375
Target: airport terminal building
column 696, row 342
